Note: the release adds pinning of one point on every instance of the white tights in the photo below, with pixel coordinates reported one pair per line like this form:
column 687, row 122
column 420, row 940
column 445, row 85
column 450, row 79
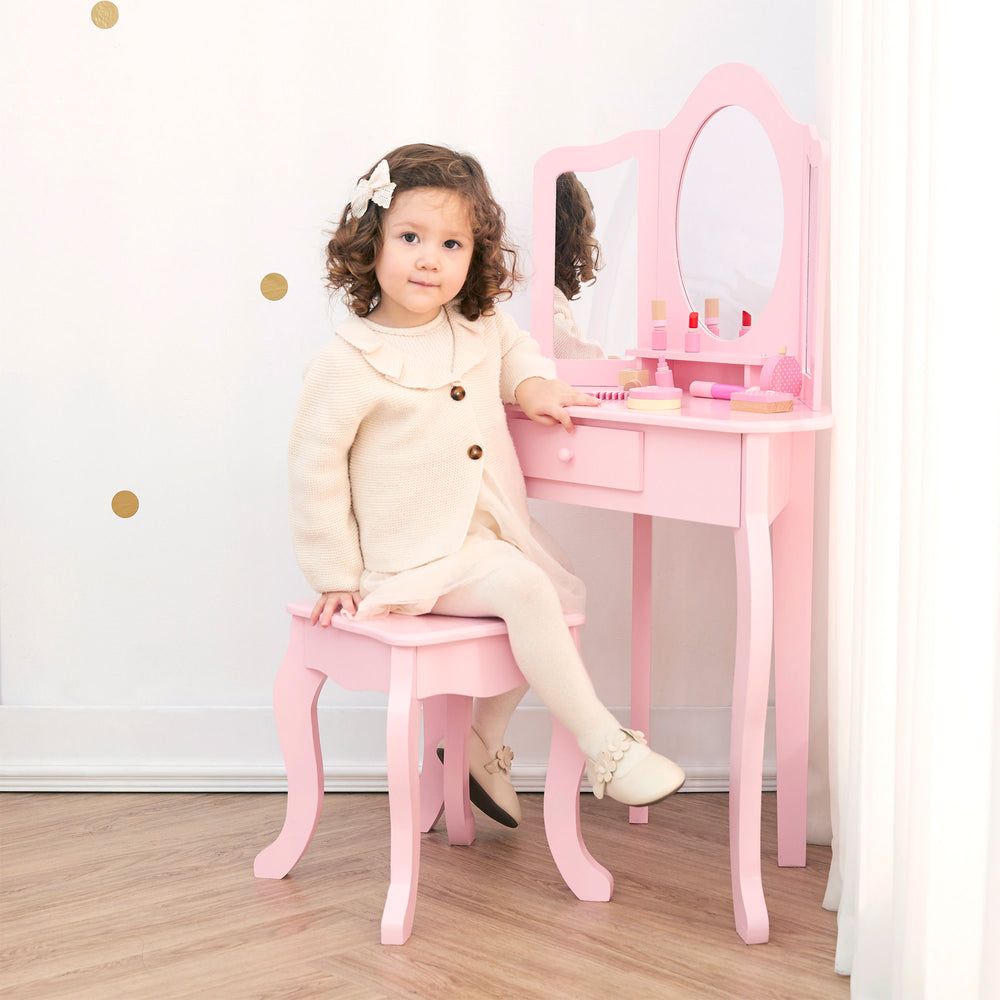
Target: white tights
column 515, row 589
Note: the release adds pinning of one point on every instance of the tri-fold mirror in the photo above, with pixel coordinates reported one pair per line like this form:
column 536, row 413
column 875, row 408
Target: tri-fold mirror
column 721, row 211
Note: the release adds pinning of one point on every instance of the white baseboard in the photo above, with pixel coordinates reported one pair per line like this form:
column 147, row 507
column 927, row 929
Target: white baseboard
column 225, row 749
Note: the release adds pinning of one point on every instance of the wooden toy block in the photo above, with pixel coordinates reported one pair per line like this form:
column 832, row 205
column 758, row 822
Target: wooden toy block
column 626, row 375
column 762, row 401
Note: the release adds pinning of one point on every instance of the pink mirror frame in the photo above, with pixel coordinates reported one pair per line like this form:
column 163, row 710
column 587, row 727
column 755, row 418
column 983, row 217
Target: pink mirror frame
column 794, row 317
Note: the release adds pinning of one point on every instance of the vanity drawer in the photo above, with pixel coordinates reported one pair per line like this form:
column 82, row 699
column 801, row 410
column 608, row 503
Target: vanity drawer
column 592, row 456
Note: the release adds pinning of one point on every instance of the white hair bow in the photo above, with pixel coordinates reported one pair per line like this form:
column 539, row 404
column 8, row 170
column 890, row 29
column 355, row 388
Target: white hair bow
column 377, row 189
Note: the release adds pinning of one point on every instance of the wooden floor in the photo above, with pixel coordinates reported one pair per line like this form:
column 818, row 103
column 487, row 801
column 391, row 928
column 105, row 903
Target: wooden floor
column 120, row 896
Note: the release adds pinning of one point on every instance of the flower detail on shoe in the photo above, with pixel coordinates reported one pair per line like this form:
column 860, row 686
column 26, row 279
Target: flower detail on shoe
column 601, row 770
column 501, row 761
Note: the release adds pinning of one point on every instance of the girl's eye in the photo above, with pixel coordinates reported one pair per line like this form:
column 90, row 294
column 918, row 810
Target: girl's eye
column 409, row 237
column 453, row 244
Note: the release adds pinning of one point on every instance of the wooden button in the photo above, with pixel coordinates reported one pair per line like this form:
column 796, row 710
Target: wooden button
column 475, row 452
column 457, row 393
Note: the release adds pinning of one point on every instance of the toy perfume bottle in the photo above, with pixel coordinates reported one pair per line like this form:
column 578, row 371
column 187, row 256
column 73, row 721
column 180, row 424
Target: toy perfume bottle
column 692, row 338
column 712, row 316
column 659, row 340
column 663, row 376
column 781, row 373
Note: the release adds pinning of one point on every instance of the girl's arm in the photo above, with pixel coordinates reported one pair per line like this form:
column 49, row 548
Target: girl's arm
column 327, row 606
column 324, row 528
column 527, row 377
column 545, row 400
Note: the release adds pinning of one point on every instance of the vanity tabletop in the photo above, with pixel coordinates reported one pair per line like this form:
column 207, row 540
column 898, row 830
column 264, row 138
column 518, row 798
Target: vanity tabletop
column 699, row 413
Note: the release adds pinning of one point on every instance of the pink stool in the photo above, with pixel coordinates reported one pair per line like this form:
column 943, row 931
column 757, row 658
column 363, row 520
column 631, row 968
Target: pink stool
column 440, row 664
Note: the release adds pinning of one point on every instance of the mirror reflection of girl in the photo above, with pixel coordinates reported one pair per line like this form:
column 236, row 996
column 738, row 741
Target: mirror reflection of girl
column 578, row 258
column 406, row 494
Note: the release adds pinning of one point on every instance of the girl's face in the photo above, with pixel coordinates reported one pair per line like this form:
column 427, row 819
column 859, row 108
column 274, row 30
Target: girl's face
column 425, row 256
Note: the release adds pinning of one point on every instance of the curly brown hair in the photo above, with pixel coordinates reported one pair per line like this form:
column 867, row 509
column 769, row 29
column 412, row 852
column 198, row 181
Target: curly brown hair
column 578, row 254
column 356, row 243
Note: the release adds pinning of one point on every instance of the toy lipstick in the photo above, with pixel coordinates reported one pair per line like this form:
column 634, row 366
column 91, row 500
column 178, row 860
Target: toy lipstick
column 692, row 339
column 714, row 390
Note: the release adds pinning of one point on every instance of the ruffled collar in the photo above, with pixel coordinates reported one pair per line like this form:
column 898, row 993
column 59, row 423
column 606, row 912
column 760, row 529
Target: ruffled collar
column 386, row 358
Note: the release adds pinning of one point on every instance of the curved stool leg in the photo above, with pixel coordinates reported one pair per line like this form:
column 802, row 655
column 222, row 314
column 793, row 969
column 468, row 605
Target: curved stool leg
column 586, row 878
column 431, row 769
column 296, row 691
column 457, row 807
column 402, row 731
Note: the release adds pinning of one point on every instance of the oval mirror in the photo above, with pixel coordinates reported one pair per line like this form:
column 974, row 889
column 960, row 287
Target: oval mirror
column 730, row 220
column 595, row 305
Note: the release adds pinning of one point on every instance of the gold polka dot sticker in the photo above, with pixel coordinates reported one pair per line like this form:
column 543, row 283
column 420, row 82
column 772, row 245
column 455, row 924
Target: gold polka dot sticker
column 104, row 15
column 125, row 503
column 273, row 286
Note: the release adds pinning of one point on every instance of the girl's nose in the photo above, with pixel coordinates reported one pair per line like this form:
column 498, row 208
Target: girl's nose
column 428, row 259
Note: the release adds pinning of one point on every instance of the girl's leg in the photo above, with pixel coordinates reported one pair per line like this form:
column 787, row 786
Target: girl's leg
column 491, row 715
column 518, row 591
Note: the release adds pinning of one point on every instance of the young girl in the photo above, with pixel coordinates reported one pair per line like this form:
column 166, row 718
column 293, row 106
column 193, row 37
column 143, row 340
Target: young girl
column 406, row 494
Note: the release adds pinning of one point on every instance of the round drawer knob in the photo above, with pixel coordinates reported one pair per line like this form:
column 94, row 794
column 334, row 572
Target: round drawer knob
column 475, row 452
column 457, row 393
column 564, row 455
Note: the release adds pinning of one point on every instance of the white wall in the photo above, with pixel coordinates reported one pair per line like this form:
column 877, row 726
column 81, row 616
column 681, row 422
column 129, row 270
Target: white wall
column 154, row 173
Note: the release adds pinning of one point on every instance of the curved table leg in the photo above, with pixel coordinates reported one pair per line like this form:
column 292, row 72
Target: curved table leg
column 642, row 623
column 750, row 687
column 792, row 541
column 296, row 691
column 586, row 878
column 402, row 737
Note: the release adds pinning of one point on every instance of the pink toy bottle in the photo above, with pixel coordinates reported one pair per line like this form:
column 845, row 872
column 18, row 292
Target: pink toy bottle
column 664, row 377
column 712, row 316
column 659, row 340
column 781, row 373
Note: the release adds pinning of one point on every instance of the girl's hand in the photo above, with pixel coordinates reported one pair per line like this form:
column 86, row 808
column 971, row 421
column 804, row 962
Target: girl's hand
column 327, row 605
column 546, row 399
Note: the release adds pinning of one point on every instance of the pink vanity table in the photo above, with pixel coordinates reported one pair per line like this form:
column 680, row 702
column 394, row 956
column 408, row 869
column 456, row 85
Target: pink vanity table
column 752, row 472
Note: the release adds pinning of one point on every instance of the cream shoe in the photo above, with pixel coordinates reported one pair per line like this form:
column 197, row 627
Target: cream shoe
column 628, row 771
column 490, row 788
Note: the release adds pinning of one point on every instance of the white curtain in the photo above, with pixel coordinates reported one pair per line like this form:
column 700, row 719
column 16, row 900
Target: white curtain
column 915, row 497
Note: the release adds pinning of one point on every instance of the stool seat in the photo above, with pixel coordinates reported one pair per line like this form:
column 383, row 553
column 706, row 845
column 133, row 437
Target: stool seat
column 435, row 664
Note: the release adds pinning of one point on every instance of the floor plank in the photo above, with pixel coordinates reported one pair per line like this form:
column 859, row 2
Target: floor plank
column 121, row 896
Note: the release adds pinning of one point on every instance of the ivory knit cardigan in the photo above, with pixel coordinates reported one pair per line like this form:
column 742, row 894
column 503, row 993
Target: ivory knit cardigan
column 382, row 468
